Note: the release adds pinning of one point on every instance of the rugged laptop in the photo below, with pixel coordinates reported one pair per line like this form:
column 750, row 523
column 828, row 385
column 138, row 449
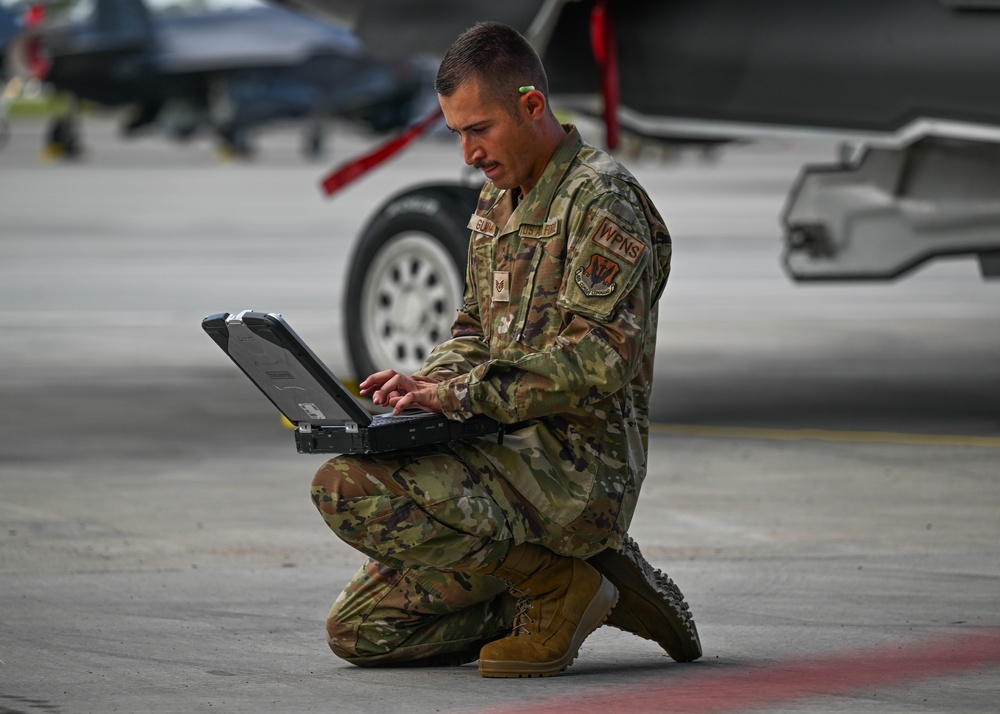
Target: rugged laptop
column 327, row 416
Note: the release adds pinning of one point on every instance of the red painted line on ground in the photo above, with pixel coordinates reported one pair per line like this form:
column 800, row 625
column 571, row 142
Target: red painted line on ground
column 757, row 686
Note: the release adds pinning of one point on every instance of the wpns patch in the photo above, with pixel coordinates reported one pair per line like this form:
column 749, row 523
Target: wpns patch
column 621, row 243
column 598, row 278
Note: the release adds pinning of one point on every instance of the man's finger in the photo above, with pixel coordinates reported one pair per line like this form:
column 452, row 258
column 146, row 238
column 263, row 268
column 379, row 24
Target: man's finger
column 398, row 385
column 399, row 404
column 375, row 381
column 395, row 384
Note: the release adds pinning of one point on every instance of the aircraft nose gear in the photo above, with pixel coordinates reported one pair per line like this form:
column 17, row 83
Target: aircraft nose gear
column 63, row 138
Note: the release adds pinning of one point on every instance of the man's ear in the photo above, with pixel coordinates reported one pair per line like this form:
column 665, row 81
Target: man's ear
column 535, row 104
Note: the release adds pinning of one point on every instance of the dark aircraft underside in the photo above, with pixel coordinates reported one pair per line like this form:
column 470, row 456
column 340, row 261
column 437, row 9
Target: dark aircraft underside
column 907, row 85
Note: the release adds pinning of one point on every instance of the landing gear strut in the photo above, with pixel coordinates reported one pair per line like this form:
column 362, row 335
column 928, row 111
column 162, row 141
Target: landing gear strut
column 62, row 141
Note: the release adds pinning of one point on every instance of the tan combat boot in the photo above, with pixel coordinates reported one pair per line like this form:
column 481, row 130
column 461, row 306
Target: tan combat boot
column 651, row 605
column 561, row 601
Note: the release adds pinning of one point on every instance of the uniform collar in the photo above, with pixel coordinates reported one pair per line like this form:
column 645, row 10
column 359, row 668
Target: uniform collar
column 534, row 207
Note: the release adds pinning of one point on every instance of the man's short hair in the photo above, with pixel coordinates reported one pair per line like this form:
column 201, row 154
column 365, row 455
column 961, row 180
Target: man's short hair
column 498, row 57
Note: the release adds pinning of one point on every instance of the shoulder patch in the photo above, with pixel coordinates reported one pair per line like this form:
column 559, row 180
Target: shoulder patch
column 624, row 211
column 597, row 279
column 619, row 241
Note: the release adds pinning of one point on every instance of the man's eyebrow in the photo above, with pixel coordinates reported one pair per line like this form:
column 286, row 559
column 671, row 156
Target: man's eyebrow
column 467, row 127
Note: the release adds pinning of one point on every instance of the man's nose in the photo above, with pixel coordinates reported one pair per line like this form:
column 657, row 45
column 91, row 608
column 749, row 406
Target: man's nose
column 471, row 151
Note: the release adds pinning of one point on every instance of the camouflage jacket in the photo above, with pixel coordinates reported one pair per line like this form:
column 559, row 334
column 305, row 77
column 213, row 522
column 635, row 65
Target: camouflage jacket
column 558, row 328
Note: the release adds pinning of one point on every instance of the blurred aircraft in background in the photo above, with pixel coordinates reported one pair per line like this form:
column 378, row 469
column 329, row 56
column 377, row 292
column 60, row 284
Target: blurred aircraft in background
column 9, row 28
column 906, row 88
column 228, row 66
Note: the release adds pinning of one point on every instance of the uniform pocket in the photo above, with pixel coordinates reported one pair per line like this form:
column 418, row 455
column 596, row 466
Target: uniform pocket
column 538, row 318
column 523, row 280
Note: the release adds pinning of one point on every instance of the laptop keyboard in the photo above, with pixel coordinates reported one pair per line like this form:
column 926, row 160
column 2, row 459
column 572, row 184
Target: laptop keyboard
column 408, row 415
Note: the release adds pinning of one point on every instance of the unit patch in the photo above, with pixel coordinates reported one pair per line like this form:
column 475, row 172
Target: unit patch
column 597, row 279
column 618, row 241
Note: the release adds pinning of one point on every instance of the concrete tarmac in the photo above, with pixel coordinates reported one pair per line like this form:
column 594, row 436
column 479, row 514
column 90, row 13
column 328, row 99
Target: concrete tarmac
column 825, row 460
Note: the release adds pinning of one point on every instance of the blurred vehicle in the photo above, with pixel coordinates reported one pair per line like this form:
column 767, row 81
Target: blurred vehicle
column 228, row 66
column 904, row 86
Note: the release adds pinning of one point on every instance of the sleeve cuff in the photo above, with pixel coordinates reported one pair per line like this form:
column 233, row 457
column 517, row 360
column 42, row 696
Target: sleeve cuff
column 453, row 395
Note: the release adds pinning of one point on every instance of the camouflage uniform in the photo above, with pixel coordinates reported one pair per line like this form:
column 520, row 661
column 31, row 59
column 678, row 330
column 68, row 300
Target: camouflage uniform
column 555, row 337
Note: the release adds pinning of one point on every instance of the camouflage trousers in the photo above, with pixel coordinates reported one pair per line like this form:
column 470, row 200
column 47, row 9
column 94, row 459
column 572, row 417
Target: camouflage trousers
column 417, row 616
column 428, row 519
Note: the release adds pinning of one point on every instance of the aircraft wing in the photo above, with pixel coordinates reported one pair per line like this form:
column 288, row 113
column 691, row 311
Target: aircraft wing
column 256, row 37
column 398, row 28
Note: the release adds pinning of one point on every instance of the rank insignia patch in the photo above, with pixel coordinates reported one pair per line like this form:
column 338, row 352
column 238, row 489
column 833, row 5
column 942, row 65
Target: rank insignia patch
column 501, row 286
column 597, row 279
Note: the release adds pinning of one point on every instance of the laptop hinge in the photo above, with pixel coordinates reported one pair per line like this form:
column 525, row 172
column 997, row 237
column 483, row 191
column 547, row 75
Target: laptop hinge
column 305, row 427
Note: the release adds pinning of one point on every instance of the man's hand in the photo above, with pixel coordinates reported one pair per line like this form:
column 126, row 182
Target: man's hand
column 390, row 388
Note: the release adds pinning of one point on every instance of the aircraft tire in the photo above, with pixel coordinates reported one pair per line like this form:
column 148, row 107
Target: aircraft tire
column 406, row 278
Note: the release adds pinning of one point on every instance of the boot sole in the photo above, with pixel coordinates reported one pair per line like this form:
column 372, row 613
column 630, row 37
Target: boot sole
column 593, row 617
column 651, row 605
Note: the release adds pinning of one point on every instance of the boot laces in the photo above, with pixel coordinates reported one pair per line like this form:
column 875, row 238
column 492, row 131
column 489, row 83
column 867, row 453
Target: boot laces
column 522, row 619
